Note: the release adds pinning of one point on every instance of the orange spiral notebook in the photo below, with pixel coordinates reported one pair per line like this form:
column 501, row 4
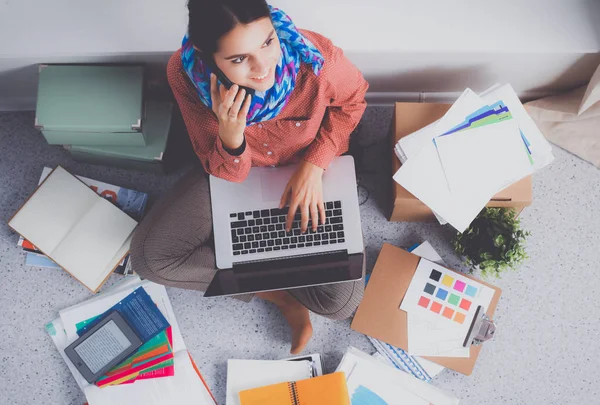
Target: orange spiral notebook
column 329, row 389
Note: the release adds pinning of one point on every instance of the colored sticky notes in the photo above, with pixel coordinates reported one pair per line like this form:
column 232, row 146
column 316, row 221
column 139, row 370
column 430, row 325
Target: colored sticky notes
column 447, row 280
column 429, row 288
column 436, row 307
column 459, row 317
column 448, row 312
column 454, row 299
column 424, row 302
column 471, row 291
column 465, row 304
column 459, row 286
column 442, row 294
column 435, row 275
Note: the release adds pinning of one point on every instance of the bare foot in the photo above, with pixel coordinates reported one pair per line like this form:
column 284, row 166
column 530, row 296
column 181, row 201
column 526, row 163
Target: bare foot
column 295, row 314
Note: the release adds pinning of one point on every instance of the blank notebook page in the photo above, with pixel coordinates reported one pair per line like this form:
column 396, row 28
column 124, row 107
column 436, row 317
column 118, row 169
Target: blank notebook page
column 89, row 249
column 53, row 210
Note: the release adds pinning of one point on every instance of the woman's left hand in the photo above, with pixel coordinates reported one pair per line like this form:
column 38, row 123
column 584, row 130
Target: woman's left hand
column 304, row 191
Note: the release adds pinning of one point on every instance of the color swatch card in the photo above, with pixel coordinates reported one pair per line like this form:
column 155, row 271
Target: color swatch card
column 441, row 304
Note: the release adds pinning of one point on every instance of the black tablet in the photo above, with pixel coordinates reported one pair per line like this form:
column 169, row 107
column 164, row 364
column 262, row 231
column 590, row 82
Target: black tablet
column 104, row 346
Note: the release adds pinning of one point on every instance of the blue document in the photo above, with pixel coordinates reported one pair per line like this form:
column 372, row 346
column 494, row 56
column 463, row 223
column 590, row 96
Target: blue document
column 140, row 312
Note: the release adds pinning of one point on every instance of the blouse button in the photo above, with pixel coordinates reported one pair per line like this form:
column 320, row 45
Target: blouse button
column 236, row 161
column 265, row 144
column 260, row 125
column 269, row 153
column 298, row 124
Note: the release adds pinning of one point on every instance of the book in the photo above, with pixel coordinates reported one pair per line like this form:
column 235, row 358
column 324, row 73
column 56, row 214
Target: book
column 325, row 390
column 132, row 202
column 79, row 230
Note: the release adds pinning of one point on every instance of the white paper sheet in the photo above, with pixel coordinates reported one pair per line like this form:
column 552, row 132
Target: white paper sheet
column 247, row 374
column 480, row 161
column 424, row 177
column 431, row 333
column 382, row 382
column 541, row 149
column 184, row 388
column 423, row 174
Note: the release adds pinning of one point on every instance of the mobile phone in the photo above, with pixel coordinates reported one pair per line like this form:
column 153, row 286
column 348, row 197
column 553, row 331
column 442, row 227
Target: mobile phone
column 104, row 346
column 221, row 76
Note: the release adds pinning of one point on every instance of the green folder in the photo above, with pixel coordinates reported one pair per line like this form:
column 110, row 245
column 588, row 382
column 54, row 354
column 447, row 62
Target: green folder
column 157, row 127
column 91, row 105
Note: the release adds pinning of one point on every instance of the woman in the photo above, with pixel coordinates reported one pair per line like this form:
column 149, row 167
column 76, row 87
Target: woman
column 308, row 100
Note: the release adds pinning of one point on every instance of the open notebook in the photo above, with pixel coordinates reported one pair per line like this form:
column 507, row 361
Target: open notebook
column 79, row 230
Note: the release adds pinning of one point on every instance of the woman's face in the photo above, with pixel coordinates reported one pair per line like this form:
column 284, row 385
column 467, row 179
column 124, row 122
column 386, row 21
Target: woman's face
column 248, row 54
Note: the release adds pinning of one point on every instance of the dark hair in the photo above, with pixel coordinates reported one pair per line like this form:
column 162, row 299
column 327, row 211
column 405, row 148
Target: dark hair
column 211, row 19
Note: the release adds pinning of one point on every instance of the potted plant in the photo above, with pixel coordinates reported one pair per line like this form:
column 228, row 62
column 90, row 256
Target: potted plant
column 494, row 242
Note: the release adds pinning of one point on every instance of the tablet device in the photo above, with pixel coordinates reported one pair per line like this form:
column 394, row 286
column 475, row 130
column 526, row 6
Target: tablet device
column 103, row 347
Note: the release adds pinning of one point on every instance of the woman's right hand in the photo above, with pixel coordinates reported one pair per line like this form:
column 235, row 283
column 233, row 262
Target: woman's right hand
column 227, row 105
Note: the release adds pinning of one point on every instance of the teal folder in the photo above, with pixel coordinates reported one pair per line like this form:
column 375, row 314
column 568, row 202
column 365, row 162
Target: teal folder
column 157, row 127
column 91, row 105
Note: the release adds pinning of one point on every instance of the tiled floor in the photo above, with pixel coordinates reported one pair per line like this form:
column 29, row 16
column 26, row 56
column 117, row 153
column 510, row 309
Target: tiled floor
column 545, row 351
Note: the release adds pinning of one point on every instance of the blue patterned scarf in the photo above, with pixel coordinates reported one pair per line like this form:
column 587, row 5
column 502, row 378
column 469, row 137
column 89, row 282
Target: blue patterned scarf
column 295, row 48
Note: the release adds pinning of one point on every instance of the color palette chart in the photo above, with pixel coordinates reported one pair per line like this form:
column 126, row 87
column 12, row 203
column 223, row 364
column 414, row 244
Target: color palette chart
column 447, row 296
column 441, row 305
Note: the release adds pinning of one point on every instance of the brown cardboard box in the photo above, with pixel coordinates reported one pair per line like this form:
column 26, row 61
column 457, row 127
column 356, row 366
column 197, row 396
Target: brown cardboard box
column 410, row 117
column 379, row 314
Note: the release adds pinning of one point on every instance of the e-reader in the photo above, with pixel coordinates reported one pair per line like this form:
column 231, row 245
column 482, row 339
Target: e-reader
column 103, row 347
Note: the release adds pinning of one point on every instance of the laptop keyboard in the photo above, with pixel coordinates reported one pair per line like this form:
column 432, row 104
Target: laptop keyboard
column 264, row 230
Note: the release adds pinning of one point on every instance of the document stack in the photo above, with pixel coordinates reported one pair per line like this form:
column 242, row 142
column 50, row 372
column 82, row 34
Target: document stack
column 482, row 145
column 160, row 372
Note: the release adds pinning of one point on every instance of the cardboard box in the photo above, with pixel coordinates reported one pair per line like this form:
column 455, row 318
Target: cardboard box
column 91, row 105
column 410, row 117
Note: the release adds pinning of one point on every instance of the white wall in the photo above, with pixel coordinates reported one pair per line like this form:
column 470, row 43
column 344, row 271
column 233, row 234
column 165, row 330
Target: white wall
column 406, row 49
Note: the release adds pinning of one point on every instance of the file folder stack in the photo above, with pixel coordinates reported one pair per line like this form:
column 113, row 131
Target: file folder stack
column 99, row 114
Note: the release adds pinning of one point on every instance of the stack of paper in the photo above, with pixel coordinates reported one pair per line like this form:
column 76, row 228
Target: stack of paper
column 370, row 381
column 482, row 145
column 181, row 383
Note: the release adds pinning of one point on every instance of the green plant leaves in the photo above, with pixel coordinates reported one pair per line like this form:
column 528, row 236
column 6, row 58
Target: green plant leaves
column 493, row 243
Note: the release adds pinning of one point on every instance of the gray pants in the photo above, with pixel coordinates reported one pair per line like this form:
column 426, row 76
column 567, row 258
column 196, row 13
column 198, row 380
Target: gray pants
column 174, row 246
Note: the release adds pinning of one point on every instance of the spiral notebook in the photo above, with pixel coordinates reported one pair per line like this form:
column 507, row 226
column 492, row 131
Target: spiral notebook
column 248, row 374
column 329, row 389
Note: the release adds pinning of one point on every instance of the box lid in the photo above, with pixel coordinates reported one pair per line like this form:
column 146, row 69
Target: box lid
column 157, row 125
column 90, row 98
column 410, row 117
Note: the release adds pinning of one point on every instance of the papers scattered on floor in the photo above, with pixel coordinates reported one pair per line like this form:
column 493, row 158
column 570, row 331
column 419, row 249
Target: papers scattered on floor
column 183, row 386
column 482, row 145
column 370, row 381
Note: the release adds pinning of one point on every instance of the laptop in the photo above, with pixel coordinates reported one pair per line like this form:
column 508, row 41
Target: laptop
column 254, row 252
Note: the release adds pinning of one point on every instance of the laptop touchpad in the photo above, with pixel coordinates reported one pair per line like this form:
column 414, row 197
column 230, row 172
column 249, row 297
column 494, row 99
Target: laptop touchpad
column 273, row 183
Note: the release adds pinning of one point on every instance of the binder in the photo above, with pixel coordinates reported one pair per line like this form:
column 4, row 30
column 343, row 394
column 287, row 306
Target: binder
column 379, row 315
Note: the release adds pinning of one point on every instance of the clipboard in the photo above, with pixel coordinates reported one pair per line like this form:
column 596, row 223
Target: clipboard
column 379, row 314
